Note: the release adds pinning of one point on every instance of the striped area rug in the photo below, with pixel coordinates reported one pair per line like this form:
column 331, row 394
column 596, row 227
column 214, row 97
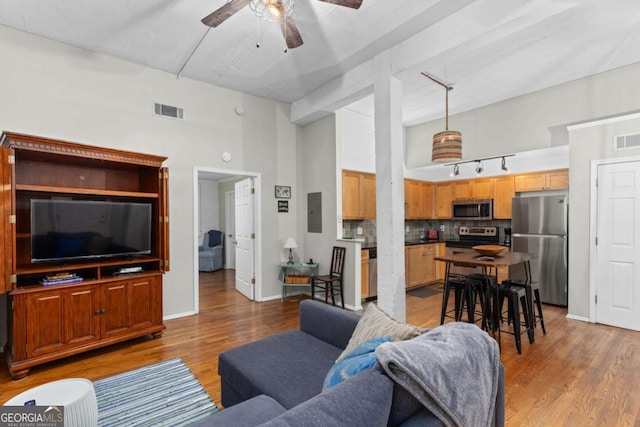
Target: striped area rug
column 162, row 394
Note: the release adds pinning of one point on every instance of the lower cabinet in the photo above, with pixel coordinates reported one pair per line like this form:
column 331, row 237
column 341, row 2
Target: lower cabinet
column 54, row 322
column 420, row 266
column 364, row 274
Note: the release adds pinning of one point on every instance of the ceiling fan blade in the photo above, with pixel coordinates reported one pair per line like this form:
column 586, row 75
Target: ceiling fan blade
column 224, row 13
column 290, row 32
column 353, row 4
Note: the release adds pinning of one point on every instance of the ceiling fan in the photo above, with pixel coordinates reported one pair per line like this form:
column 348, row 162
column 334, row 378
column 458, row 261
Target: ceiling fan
column 275, row 10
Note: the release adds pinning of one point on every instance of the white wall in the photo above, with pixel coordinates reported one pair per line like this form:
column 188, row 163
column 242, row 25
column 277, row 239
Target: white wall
column 533, row 121
column 357, row 132
column 54, row 90
column 587, row 144
column 209, row 215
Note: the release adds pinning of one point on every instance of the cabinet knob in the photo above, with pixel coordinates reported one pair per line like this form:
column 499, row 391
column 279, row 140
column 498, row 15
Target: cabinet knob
column 101, row 311
column 98, row 311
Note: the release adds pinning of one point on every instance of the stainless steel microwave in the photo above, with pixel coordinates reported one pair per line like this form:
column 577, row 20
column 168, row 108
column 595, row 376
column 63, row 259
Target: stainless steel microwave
column 472, row 209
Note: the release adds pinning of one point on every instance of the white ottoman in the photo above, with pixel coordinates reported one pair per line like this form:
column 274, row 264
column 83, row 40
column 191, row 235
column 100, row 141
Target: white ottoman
column 75, row 394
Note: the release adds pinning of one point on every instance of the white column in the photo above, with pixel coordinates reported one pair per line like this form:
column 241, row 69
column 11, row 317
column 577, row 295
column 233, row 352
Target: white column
column 389, row 188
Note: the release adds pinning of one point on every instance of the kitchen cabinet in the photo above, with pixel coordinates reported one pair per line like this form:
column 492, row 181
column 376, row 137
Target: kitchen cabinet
column 364, row 274
column 426, row 189
column 463, row 190
column 420, row 265
column 441, row 250
column 443, row 195
column 482, row 189
column 550, row 180
column 504, row 191
column 417, row 199
column 358, row 195
column 473, row 189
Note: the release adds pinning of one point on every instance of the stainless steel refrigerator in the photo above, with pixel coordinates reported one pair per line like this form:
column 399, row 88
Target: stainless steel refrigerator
column 539, row 226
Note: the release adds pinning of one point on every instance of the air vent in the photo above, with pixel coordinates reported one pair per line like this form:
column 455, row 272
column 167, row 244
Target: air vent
column 624, row 142
column 168, row 111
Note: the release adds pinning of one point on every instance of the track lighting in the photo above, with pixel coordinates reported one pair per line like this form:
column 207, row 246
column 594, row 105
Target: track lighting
column 479, row 165
column 504, row 165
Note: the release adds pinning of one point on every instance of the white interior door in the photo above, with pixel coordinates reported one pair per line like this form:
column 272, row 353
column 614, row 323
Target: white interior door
column 230, row 227
column 618, row 247
column 245, row 266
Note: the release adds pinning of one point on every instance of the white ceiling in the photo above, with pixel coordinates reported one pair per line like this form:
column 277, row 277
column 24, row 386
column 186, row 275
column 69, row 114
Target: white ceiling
column 489, row 50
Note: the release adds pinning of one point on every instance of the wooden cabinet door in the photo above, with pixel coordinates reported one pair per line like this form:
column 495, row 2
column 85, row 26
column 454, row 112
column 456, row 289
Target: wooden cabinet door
column 7, row 228
column 483, row 189
column 441, row 250
column 114, row 303
column 141, row 303
column 82, row 315
column 463, row 190
column 443, row 194
column 350, row 195
column 412, row 199
column 163, row 212
column 530, row 182
column 558, row 180
column 368, row 196
column 504, row 193
column 45, row 323
column 415, row 271
column 364, row 274
column 427, row 200
column 428, row 255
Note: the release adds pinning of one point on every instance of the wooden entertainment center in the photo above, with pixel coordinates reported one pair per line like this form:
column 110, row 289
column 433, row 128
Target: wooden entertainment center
column 48, row 322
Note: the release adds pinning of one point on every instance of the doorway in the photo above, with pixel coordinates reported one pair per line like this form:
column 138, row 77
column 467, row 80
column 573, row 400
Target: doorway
column 215, row 188
column 617, row 250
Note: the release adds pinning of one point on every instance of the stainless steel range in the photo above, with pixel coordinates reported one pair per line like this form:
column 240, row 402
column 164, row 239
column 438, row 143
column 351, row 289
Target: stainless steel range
column 469, row 237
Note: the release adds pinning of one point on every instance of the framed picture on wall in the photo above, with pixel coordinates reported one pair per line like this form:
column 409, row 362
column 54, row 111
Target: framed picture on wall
column 283, row 192
column 283, row 206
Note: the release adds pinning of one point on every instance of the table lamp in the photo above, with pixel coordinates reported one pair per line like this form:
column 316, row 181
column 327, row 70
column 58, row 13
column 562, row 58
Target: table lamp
column 290, row 244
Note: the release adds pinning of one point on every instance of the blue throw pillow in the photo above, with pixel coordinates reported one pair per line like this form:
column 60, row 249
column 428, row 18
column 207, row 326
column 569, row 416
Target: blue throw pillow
column 361, row 358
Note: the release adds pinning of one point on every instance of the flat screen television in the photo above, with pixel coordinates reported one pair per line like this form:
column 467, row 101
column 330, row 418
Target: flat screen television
column 64, row 230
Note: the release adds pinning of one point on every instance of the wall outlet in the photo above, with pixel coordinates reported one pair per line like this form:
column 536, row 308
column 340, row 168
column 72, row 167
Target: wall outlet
column 359, row 231
column 441, row 227
column 406, row 229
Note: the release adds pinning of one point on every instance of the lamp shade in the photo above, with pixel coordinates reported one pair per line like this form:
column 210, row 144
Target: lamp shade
column 447, row 146
column 290, row 243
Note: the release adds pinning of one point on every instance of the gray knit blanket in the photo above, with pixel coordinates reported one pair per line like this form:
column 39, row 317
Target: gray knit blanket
column 452, row 370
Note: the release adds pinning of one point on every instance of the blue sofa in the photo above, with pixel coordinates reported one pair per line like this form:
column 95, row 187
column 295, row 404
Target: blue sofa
column 278, row 381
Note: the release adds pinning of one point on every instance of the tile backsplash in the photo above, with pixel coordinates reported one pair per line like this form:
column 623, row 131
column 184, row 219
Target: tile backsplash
column 414, row 227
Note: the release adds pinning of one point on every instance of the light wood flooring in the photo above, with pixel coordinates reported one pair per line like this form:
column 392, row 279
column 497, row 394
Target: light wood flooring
column 579, row 374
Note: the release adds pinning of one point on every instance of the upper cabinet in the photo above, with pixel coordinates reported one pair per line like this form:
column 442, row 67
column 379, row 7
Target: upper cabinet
column 550, row 180
column 417, row 199
column 443, row 195
column 504, row 192
column 358, row 195
column 473, row 189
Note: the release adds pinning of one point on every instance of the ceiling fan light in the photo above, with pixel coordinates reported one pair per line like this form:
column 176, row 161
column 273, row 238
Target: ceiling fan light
column 272, row 10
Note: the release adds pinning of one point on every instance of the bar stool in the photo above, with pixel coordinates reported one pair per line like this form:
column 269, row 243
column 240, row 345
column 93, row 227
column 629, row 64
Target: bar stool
column 532, row 290
column 465, row 291
column 516, row 303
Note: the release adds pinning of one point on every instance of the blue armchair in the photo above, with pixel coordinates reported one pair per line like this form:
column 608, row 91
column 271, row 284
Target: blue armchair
column 210, row 253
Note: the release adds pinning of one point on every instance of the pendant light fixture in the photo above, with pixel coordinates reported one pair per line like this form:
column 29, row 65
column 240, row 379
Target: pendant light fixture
column 447, row 145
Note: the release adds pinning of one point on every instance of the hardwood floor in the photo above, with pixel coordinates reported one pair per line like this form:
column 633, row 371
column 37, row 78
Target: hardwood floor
column 579, row 374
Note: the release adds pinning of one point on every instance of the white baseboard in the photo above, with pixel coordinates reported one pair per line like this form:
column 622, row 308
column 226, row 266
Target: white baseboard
column 580, row 318
column 179, row 315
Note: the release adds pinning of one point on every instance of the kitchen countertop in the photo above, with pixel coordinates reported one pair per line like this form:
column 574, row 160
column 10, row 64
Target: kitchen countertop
column 406, row 243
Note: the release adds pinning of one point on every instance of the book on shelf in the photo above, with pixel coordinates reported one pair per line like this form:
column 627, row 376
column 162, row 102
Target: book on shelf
column 60, row 278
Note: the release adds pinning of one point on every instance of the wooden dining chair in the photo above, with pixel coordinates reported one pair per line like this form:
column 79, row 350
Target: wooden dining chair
column 328, row 284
